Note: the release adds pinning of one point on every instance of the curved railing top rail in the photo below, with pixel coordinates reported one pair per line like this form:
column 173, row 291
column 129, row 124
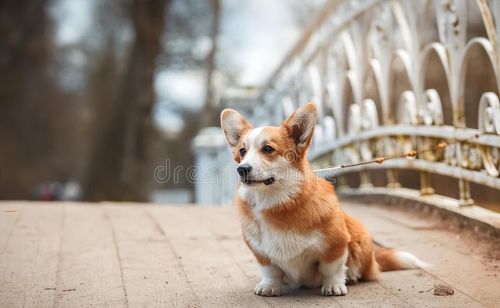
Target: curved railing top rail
column 323, row 26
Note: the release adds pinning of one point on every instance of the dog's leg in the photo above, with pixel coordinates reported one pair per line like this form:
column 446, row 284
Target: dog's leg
column 270, row 285
column 352, row 274
column 334, row 276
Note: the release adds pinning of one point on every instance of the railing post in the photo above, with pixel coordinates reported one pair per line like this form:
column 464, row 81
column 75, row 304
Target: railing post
column 365, row 180
column 463, row 185
column 341, row 184
column 425, row 184
column 465, row 199
column 392, row 179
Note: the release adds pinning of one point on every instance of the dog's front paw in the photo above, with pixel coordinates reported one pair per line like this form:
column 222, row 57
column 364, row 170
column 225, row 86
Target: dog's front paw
column 333, row 289
column 265, row 288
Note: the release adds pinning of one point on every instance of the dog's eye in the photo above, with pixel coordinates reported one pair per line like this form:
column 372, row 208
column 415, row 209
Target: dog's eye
column 243, row 151
column 267, row 149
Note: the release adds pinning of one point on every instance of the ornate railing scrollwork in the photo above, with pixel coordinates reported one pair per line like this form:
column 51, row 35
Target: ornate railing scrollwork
column 370, row 67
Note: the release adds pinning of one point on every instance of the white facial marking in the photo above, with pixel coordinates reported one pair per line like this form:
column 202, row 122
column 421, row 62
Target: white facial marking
column 287, row 178
column 252, row 143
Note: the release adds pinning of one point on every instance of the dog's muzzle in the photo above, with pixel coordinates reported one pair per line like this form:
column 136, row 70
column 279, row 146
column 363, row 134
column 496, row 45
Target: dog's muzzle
column 244, row 172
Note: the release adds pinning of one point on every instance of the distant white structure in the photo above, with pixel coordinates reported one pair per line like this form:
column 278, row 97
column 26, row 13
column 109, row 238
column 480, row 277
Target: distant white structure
column 215, row 172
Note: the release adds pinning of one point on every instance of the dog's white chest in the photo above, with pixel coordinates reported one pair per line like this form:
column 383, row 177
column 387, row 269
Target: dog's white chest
column 295, row 253
column 285, row 245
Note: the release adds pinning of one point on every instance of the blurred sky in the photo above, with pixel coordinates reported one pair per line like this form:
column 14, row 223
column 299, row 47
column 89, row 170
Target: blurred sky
column 255, row 34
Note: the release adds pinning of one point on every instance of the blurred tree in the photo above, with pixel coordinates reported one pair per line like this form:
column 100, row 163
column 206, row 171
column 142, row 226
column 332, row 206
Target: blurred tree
column 108, row 51
column 81, row 109
column 193, row 33
column 35, row 117
column 120, row 163
column 210, row 114
column 188, row 30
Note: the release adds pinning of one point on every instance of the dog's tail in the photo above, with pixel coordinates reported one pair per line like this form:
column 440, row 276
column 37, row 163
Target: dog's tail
column 392, row 260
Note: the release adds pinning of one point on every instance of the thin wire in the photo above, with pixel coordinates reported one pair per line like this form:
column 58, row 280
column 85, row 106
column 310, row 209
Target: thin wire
column 409, row 155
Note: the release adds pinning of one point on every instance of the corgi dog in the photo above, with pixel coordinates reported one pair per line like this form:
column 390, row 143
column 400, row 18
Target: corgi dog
column 291, row 219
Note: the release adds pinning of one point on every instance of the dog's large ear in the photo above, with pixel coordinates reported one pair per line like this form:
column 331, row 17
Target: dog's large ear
column 300, row 126
column 234, row 126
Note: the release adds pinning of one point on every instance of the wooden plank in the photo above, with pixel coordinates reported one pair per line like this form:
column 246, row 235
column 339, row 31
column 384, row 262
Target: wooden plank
column 214, row 277
column 89, row 272
column 103, row 256
column 455, row 260
column 10, row 212
column 416, row 287
column 152, row 272
column 29, row 261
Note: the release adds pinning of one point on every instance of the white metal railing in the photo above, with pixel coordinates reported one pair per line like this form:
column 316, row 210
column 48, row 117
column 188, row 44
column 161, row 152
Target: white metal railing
column 371, row 68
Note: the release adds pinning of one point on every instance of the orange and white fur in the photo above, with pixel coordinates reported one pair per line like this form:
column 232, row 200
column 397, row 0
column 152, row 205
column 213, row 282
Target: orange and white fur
column 291, row 219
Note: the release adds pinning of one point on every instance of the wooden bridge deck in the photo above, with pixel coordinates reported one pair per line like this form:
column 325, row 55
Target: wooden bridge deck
column 118, row 255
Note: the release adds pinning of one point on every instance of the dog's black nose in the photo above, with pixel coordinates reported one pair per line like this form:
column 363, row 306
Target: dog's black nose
column 244, row 170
